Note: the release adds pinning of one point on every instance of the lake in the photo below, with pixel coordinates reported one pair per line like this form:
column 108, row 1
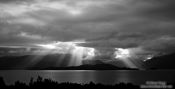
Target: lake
column 85, row 76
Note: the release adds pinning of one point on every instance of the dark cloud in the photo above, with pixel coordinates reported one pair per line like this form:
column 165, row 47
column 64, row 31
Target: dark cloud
column 115, row 24
column 163, row 10
column 163, row 44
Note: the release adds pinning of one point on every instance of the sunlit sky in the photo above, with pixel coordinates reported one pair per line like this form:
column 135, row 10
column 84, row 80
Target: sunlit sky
column 137, row 27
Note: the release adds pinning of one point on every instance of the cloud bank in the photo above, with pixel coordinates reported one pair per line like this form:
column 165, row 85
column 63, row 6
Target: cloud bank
column 104, row 24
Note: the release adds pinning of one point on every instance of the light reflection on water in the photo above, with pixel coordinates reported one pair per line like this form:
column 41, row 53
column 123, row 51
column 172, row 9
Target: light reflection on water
column 85, row 76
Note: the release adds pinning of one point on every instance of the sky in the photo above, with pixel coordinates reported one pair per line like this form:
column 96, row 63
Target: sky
column 143, row 26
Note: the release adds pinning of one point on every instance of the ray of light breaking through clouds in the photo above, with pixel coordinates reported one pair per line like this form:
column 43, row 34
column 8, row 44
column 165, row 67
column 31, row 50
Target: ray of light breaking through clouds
column 141, row 28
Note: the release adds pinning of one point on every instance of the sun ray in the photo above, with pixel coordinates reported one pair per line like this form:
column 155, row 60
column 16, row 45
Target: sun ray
column 124, row 55
column 78, row 53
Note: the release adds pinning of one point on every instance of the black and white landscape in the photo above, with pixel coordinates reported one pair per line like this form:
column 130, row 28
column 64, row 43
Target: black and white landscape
column 103, row 35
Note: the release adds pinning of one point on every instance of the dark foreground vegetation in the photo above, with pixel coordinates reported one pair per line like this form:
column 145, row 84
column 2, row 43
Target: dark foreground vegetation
column 40, row 83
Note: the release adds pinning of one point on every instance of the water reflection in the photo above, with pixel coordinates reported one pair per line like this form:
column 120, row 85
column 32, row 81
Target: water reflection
column 124, row 77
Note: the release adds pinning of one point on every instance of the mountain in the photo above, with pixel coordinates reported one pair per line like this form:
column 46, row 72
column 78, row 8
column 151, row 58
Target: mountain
column 88, row 67
column 51, row 62
column 161, row 62
column 39, row 61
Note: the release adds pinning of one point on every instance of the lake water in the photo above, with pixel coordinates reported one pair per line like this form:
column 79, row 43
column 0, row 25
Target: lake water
column 85, row 76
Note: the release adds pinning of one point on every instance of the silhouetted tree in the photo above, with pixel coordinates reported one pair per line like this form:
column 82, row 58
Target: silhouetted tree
column 2, row 83
column 40, row 83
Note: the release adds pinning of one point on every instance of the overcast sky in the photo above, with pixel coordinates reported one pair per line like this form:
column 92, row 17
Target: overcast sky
column 104, row 24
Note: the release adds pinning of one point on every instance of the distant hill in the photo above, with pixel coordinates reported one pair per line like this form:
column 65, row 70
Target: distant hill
column 51, row 62
column 161, row 62
column 88, row 67
column 38, row 61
